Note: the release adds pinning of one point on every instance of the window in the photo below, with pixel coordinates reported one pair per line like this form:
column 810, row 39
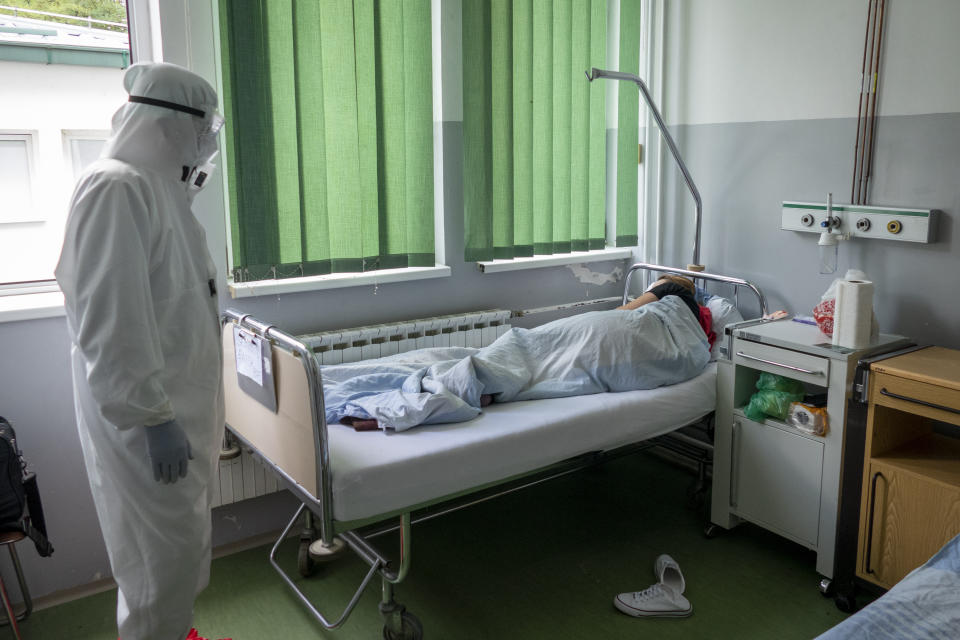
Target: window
column 62, row 82
column 82, row 148
column 329, row 136
column 16, row 177
column 535, row 131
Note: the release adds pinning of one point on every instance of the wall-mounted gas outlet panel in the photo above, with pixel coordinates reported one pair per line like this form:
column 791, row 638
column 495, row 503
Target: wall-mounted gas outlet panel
column 860, row 221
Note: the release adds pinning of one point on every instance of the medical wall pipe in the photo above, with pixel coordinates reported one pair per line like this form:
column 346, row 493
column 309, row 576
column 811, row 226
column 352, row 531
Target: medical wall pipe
column 618, row 75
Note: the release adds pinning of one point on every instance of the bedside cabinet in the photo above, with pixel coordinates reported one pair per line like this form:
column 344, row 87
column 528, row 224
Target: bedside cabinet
column 770, row 473
column 910, row 499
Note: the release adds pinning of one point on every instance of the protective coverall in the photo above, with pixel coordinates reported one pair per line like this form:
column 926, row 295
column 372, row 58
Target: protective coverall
column 142, row 313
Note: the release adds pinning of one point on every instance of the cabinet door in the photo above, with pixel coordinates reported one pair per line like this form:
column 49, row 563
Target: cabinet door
column 776, row 479
column 912, row 518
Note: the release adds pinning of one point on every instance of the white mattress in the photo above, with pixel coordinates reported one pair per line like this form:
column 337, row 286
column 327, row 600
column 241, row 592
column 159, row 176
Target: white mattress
column 376, row 472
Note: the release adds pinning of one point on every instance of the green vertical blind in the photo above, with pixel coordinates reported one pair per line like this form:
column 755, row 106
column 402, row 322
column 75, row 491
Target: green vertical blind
column 534, row 128
column 329, row 135
column 628, row 138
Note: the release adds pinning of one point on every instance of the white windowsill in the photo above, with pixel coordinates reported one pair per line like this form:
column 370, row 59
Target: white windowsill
column 31, row 306
column 335, row 281
column 560, row 259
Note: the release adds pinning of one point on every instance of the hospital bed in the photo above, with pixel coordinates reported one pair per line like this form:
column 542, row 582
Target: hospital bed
column 354, row 486
column 924, row 605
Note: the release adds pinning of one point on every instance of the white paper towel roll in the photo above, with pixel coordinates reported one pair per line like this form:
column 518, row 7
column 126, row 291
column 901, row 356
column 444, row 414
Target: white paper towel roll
column 853, row 314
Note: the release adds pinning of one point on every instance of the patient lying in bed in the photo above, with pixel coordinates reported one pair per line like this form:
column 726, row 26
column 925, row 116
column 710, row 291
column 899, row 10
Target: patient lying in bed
column 684, row 289
column 659, row 342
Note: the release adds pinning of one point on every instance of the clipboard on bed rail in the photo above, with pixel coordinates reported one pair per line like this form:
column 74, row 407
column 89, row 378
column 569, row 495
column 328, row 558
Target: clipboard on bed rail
column 254, row 362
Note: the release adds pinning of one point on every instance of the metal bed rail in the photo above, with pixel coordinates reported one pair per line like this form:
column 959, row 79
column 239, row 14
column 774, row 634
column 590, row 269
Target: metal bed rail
column 737, row 283
column 399, row 624
column 276, row 337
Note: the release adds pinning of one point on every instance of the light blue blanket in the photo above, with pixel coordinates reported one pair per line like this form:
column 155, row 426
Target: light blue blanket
column 661, row 343
column 925, row 605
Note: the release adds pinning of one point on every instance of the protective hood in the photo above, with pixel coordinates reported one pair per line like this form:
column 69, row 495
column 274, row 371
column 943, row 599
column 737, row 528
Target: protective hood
column 169, row 128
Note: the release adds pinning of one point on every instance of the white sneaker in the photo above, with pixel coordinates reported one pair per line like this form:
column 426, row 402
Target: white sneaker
column 657, row 600
column 668, row 572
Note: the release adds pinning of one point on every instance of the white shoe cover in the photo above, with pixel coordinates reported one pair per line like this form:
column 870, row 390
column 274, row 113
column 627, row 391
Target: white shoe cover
column 659, row 600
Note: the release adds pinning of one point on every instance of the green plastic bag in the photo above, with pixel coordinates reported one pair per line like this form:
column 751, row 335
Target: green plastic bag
column 773, row 398
column 773, row 382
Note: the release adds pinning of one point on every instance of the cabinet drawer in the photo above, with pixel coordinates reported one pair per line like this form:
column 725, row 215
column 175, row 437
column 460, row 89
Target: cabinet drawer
column 790, row 364
column 913, row 396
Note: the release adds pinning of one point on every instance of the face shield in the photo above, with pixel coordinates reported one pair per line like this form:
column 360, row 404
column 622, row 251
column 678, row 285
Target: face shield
column 207, row 129
column 207, row 147
column 207, row 137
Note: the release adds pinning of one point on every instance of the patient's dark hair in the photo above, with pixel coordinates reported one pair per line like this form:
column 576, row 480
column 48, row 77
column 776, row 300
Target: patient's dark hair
column 680, row 280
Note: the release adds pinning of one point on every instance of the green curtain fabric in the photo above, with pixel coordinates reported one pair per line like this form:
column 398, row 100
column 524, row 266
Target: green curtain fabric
column 535, row 130
column 329, row 136
column 628, row 126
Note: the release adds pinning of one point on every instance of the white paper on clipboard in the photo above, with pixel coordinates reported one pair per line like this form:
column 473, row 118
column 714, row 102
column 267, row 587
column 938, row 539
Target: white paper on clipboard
column 254, row 359
column 249, row 360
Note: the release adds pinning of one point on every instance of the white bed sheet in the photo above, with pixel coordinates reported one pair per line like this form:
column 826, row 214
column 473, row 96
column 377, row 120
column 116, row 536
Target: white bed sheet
column 379, row 472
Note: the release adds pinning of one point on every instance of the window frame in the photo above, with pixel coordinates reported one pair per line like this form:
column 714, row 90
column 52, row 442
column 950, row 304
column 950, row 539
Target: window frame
column 70, row 135
column 31, row 140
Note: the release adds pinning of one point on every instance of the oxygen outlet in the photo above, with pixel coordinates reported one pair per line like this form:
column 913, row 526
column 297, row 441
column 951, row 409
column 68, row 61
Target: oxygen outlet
column 828, row 245
column 863, row 224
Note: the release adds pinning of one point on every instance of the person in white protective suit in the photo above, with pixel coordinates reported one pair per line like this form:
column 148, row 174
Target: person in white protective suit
column 142, row 313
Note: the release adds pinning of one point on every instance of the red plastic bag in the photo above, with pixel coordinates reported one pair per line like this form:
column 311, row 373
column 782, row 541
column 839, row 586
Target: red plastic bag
column 823, row 314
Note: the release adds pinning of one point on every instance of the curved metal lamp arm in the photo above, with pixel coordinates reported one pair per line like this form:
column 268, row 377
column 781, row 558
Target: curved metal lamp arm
column 618, row 75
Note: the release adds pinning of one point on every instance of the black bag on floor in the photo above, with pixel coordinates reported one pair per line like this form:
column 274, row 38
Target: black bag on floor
column 20, row 507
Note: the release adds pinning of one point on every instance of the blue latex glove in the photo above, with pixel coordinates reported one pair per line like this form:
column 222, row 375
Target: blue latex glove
column 168, row 450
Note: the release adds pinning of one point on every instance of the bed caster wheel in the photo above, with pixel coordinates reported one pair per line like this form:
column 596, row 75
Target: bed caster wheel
column 712, row 531
column 305, row 564
column 320, row 552
column 410, row 628
column 845, row 602
column 826, row 587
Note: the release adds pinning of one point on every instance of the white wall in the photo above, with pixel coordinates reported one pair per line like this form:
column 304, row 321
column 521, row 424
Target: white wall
column 756, row 60
column 762, row 97
column 32, row 99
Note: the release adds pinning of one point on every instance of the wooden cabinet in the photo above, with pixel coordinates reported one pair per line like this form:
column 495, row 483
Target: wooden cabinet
column 910, row 502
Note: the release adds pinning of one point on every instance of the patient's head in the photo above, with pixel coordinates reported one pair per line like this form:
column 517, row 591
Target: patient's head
column 686, row 283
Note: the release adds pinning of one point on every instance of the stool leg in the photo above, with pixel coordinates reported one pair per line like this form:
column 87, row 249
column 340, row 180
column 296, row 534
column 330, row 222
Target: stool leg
column 21, row 579
column 11, row 616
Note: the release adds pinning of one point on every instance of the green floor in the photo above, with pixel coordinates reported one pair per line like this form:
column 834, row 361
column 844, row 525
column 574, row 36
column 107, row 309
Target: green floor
column 542, row 563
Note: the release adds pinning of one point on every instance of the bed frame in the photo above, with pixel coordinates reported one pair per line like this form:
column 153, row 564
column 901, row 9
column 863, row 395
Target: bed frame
column 293, row 442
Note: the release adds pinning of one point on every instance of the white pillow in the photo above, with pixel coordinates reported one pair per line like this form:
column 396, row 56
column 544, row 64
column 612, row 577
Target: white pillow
column 722, row 313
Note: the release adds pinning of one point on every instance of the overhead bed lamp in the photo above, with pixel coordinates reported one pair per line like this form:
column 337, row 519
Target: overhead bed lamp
column 618, row 75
